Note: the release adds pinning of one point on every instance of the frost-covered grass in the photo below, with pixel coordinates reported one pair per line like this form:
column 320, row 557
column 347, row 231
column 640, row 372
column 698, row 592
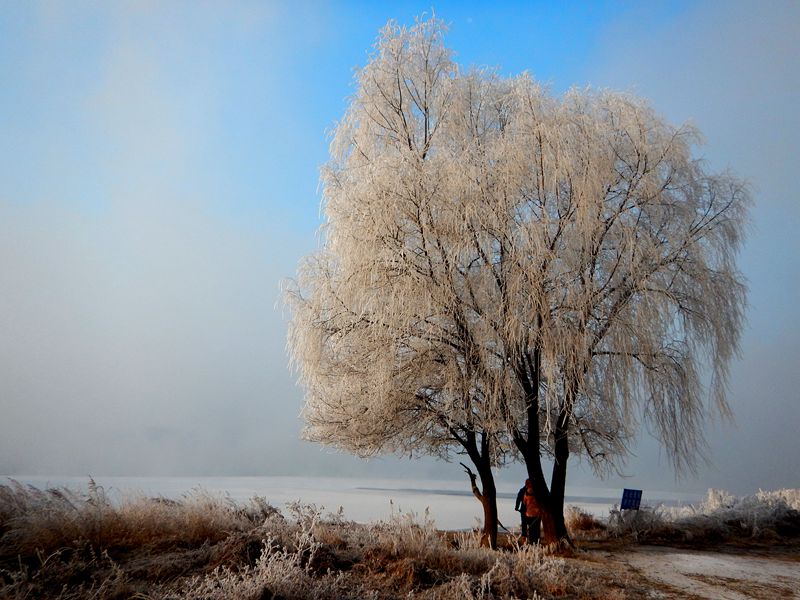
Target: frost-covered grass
column 765, row 517
column 61, row 544
column 64, row 545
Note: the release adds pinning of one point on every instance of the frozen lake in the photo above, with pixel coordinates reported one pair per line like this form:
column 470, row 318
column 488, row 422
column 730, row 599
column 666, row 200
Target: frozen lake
column 450, row 503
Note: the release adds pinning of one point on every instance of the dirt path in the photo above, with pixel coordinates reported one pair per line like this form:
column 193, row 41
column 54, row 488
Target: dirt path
column 676, row 573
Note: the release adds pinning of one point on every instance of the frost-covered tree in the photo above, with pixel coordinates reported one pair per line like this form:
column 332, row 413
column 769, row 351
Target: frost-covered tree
column 513, row 276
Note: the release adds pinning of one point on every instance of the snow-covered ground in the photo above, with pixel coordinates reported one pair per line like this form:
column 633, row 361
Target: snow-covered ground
column 712, row 575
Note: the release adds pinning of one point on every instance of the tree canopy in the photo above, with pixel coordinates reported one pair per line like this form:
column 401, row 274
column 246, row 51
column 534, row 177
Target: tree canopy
column 509, row 274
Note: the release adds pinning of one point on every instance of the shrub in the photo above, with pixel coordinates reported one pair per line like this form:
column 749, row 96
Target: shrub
column 723, row 517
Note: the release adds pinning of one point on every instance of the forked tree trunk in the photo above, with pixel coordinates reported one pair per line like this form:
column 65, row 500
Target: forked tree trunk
column 550, row 500
column 551, row 504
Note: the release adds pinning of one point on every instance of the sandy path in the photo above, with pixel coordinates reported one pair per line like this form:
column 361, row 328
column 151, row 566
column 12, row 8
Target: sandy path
column 712, row 575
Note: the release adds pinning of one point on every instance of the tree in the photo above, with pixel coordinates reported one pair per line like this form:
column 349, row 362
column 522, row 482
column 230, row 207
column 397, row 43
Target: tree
column 513, row 276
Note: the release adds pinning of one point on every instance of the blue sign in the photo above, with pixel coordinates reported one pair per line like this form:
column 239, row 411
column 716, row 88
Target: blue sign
column 630, row 499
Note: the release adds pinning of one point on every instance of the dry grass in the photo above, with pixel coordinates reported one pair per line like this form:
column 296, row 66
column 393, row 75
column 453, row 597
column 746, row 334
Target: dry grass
column 582, row 524
column 33, row 520
column 55, row 542
column 62, row 545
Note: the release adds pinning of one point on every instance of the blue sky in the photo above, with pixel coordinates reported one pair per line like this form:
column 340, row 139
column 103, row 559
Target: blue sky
column 158, row 179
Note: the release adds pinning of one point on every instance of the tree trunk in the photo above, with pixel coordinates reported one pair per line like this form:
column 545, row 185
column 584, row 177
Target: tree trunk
column 555, row 528
column 489, row 502
column 488, row 499
column 558, row 483
column 552, row 513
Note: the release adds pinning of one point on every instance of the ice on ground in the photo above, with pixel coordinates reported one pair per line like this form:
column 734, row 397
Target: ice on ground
column 713, row 575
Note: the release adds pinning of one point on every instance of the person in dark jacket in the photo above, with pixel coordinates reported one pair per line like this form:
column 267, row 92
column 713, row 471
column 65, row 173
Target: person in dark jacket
column 519, row 506
column 529, row 513
column 533, row 514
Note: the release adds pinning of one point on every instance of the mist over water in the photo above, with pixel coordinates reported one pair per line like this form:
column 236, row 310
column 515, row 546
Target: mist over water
column 449, row 503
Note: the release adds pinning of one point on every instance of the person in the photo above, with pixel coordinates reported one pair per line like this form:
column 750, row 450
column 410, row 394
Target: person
column 519, row 506
column 532, row 514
